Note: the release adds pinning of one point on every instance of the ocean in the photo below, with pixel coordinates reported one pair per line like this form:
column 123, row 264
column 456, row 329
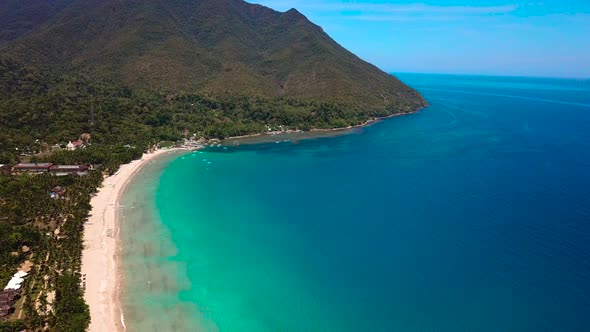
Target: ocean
column 471, row 215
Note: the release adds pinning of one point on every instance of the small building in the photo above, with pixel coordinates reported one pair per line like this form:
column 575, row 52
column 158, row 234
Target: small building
column 57, row 192
column 63, row 170
column 7, row 300
column 16, row 282
column 73, row 145
column 6, row 310
column 9, row 295
column 32, row 167
column 5, row 169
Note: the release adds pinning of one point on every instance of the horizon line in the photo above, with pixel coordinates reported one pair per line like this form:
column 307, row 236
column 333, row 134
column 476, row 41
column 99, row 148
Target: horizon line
column 577, row 78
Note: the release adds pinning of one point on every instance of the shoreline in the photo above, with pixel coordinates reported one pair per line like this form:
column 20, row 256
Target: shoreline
column 368, row 122
column 314, row 132
column 102, row 248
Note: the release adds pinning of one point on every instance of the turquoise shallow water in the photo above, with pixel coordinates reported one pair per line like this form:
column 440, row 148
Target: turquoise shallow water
column 472, row 215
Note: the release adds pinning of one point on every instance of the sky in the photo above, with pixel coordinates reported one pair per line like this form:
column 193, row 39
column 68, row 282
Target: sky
column 486, row 37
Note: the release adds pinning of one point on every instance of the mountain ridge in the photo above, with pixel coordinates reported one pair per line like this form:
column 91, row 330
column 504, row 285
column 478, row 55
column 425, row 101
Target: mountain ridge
column 205, row 46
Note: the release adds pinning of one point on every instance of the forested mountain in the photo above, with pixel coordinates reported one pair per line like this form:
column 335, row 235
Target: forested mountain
column 18, row 17
column 197, row 46
column 148, row 70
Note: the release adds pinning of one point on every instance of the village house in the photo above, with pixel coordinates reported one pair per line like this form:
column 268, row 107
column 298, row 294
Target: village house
column 63, row 170
column 10, row 294
column 7, row 299
column 73, row 145
column 5, row 310
column 16, row 282
column 5, row 169
column 7, row 296
column 32, row 167
column 57, row 192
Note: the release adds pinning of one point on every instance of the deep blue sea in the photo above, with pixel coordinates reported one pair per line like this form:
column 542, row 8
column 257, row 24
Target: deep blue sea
column 471, row 215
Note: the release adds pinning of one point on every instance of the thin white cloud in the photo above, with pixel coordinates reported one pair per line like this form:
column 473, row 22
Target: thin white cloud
column 404, row 18
column 416, row 8
column 384, row 8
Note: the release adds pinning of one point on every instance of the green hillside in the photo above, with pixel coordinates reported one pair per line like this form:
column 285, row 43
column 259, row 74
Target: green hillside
column 203, row 46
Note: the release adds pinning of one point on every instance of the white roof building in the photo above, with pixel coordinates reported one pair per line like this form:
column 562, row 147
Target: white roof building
column 16, row 281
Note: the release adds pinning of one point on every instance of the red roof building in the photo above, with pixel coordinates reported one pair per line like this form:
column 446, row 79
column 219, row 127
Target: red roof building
column 73, row 145
column 32, row 167
column 5, row 169
column 63, row 170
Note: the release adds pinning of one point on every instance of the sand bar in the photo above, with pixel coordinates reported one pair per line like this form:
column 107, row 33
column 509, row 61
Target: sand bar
column 101, row 249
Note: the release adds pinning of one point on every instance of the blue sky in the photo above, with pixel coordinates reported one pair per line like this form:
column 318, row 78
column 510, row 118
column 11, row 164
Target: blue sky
column 489, row 37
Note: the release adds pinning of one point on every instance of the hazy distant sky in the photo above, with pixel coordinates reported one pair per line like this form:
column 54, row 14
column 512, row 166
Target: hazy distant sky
column 496, row 37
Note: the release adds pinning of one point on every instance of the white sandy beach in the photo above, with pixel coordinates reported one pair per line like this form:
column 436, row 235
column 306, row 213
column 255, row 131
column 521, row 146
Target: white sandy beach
column 101, row 249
